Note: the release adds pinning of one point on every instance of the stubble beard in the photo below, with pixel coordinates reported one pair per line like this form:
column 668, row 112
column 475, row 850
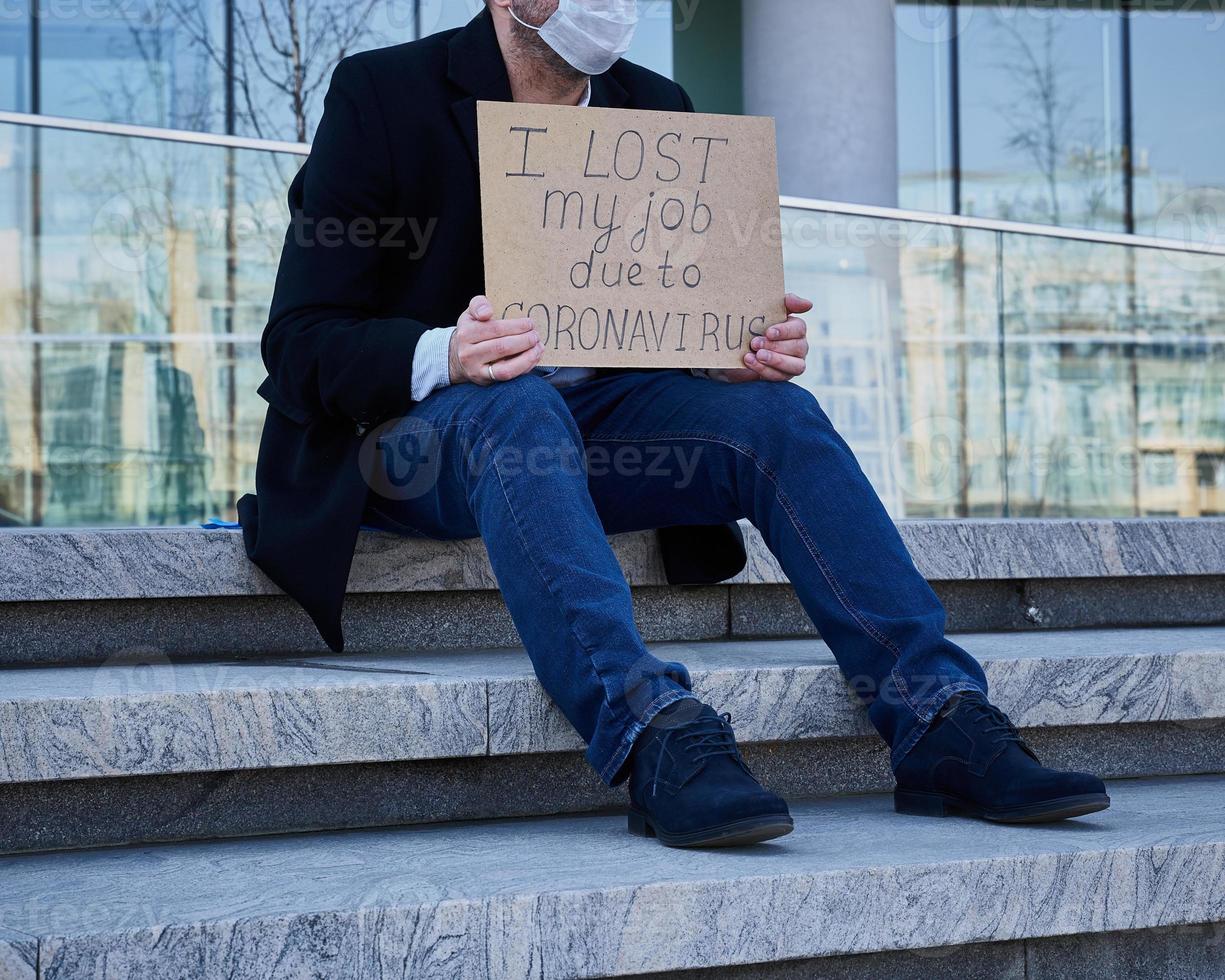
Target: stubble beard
column 536, row 62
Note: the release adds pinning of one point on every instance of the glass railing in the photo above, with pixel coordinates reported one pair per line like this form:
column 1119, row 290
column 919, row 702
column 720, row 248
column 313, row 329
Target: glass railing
column 135, row 275
column 977, row 368
column 991, row 369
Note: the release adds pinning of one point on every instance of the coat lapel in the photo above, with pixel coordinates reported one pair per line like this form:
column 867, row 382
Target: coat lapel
column 607, row 92
column 476, row 68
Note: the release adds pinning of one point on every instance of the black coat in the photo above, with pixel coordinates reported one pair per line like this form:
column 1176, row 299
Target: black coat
column 395, row 157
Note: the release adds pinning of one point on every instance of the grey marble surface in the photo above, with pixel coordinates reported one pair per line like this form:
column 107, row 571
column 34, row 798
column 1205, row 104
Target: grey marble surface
column 579, row 897
column 153, row 716
column 976, row 961
column 41, row 565
column 145, row 563
column 1191, row 952
column 1185, row 952
column 792, row 689
column 75, row 633
column 78, row 813
column 1023, row 549
column 18, row 956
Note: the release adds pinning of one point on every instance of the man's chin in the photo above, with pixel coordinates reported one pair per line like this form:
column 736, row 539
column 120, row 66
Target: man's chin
column 559, row 71
column 547, row 64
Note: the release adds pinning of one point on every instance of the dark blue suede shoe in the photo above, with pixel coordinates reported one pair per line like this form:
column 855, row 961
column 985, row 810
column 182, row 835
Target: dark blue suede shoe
column 973, row 761
column 690, row 787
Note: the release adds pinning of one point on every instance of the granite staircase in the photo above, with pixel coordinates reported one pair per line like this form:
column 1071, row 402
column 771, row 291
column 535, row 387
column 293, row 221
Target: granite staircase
column 191, row 786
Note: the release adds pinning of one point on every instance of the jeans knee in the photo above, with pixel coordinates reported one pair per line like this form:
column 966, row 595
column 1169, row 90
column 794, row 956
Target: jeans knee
column 528, row 424
column 788, row 396
column 525, row 398
column 776, row 410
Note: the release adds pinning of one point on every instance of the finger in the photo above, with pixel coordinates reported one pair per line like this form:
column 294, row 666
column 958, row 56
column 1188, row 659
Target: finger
column 760, row 368
column 792, row 367
column 784, row 344
column 797, row 304
column 763, row 371
column 791, row 329
column 513, row 367
column 480, row 308
column 489, row 351
column 479, row 331
column 793, row 348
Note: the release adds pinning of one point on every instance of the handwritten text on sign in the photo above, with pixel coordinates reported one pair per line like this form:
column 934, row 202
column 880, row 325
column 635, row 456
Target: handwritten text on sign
column 632, row 238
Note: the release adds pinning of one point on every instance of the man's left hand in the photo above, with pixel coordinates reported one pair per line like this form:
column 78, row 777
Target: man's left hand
column 781, row 354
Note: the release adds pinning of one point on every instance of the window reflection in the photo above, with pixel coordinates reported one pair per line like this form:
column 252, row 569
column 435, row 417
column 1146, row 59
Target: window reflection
column 14, row 56
column 150, row 62
column 163, row 62
column 903, row 355
column 127, row 396
column 1039, row 129
column 1178, row 60
column 1115, row 371
column 284, row 55
column 924, row 117
column 1041, row 119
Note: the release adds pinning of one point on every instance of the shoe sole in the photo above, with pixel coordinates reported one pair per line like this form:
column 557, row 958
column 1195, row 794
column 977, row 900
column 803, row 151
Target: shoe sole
column 736, row 833
column 1047, row 811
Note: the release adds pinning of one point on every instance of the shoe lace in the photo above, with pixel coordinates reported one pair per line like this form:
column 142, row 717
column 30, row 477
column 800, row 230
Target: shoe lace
column 704, row 738
column 996, row 722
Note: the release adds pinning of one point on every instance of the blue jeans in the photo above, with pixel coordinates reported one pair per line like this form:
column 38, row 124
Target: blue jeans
column 543, row 475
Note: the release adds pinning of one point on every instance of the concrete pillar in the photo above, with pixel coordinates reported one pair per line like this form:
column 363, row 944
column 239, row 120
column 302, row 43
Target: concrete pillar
column 826, row 70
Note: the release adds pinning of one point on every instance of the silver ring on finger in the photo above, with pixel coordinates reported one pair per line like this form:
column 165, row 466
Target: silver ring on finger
column 489, row 371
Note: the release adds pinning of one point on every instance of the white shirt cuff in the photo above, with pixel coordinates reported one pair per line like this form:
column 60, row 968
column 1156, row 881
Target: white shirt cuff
column 432, row 362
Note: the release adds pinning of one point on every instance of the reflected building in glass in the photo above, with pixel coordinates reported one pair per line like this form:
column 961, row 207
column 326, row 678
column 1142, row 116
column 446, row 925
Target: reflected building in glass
column 976, row 372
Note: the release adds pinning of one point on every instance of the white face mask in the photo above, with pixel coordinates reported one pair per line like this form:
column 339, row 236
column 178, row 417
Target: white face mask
column 589, row 35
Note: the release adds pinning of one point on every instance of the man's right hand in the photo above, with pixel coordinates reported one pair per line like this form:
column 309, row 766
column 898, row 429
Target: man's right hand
column 481, row 345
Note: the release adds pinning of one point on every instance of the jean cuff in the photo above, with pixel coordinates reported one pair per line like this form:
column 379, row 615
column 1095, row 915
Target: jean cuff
column 611, row 772
column 926, row 715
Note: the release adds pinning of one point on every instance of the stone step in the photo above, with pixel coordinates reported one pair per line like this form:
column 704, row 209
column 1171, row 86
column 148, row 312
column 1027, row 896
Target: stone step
column 250, row 746
column 72, row 596
column 579, row 897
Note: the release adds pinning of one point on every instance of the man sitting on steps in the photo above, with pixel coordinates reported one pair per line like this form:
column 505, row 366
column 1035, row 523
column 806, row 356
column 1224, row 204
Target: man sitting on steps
column 398, row 400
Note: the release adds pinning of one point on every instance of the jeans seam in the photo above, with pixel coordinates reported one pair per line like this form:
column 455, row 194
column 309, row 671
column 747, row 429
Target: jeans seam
column 813, row 551
column 543, row 578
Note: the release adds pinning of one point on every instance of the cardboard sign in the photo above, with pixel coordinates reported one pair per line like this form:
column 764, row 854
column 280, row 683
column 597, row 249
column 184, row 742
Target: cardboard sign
column 632, row 239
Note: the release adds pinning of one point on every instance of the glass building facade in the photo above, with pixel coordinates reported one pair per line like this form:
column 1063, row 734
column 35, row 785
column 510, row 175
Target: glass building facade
column 1092, row 114
column 974, row 372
